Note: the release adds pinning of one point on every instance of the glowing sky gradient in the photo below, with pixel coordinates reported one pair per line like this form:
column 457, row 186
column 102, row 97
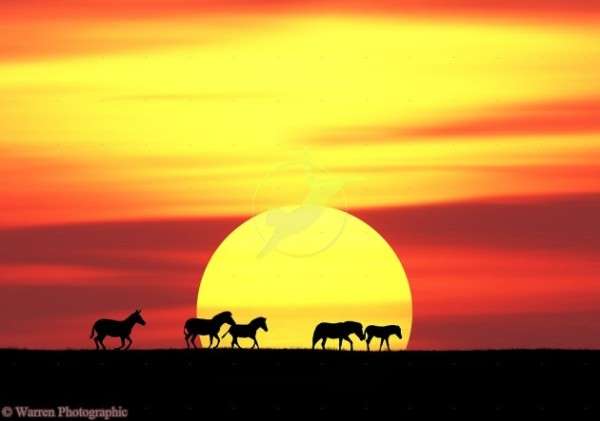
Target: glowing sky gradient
column 134, row 134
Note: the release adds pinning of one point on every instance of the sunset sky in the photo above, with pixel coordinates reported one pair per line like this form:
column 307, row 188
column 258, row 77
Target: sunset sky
column 136, row 135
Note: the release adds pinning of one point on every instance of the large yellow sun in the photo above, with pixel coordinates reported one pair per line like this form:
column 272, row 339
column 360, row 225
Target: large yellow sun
column 300, row 266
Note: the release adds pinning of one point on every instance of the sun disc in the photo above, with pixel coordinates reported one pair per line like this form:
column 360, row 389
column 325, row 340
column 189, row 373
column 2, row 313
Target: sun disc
column 349, row 273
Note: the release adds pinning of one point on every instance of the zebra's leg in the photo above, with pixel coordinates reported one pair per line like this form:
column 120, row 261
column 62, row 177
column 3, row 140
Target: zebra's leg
column 368, row 342
column 122, row 344
column 97, row 345
column 129, row 342
column 351, row 343
column 387, row 342
column 211, row 339
column 255, row 344
column 218, row 341
column 193, row 341
column 381, row 343
column 100, row 339
column 323, row 342
column 187, row 337
column 340, row 344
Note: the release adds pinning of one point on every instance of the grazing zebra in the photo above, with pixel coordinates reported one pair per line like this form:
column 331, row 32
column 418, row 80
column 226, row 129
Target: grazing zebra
column 246, row 331
column 341, row 331
column 116, row 328
column 194, row 327
column 383, row 332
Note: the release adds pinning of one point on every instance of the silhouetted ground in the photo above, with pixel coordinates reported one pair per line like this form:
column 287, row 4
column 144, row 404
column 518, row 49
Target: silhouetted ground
column 180, row 384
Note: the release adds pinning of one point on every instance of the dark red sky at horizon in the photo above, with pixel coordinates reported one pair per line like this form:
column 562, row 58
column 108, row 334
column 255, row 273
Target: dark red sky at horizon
column 545, row 297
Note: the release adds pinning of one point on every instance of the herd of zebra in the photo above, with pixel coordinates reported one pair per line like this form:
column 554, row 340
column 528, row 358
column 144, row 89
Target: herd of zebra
column 210, row 327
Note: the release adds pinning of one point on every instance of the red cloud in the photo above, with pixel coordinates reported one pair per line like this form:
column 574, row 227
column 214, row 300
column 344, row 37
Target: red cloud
column 558, row 117
column 472, row 266
column 557, row 223
column 570, row 116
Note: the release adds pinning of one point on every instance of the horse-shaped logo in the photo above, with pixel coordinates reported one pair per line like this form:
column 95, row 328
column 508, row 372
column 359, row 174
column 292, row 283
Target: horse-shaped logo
column 382, row 332
column 116, row 328
column 341, row 331
column 246, row 331
column 194, row 327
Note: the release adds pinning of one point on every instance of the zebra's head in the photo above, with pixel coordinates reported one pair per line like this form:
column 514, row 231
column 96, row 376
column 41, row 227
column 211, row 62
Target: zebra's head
column 356, row 328
column 136, row 317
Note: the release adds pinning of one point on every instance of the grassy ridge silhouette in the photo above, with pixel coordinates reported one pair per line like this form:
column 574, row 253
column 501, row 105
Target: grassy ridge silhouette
column 180, row 383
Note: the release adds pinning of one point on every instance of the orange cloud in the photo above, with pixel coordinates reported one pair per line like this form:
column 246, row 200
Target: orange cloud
column 569, row 116
column 102, row 9
column 46, row 28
